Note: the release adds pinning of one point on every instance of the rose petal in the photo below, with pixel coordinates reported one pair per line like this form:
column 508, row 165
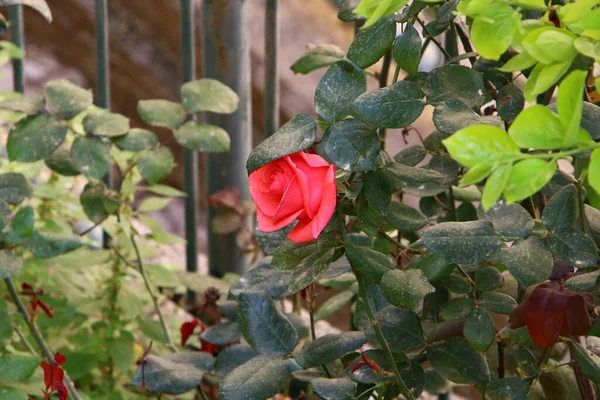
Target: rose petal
column 266, row 224
column 264, row 201
column 291, row 202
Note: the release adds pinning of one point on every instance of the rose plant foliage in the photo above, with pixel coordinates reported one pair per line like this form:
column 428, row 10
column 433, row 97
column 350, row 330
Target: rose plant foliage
column 469, row 259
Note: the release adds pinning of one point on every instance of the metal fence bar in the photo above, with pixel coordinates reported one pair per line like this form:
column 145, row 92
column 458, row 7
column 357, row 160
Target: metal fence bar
column 190, row 158
column 18, row 39
column 227, row 59
column 271, row 67
column 102, row 98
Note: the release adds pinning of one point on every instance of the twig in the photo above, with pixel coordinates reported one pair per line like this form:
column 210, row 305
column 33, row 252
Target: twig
column 433, row 39
column 25, row 341
column 37, row 335
column 313, row 334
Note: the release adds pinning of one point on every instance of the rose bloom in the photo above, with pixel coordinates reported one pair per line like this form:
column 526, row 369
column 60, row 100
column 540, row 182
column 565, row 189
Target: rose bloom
column 299, row 187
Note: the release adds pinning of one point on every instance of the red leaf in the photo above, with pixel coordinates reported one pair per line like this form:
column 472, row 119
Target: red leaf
column 208, row 347
column 229, row 197
column 59, row 358
column 61, row 391
column 47, row 309
column 187, row 329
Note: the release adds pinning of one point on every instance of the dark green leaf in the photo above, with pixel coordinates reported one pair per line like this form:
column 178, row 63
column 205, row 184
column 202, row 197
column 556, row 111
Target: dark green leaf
column 29, row 105
column 262, row 278
column 456, row 284
column 335, row 389
column 203, row 137
column 529, row 261
column 106, row 124
column 462, row 242
column 10, row 264
column 414, row 175
column 310, row 269
column 588, row 362
column 270, row 241
column 290, row 255
column 401, row 328
column 91, row 156
column 352, row 146
column 208, row 95
column 65, row 99
column 440, row 164
column 14, row 188
column 259, row 378
column 511, row 221
column 573, row 247
column 510, row 102
column 562, row 209
column 296, row 135
column 317, row 57
column 173, row 373
column 396, row 106
column 34, row 138
column 405, row 218
column 17, row 368
column 45, row 245
column 407, row 49
column 137, row 140
column 232, row 357
column 507, row 389
column 370, row 44
column 590, row 119
column 342, row 84
column 155, row 164
column 593, row 216
column 454, row 115
column 378, row 189
column 163, row 113
column 368, row 262
column 92, row 201
column 263, row 326
column 433, row 266
column 405, row 289
column 222, row 333
column 23, row 221
column 525, row 361
column 60, row 161
column 496, row 302
column 456, row 361
column 457, row 308
column 462, row 83
column 329, row 348
column 479, row 329
column 487, row 279
column 411, row 155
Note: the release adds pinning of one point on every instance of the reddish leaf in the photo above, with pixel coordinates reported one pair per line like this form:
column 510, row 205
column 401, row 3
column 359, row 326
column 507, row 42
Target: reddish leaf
column 61, row 391
column 59, row 358
column 560, row 270
column 187, row 329
column 229, row 197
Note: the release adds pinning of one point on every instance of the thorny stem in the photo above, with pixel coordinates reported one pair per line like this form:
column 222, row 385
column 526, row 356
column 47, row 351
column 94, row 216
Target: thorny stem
column 150, row 291
column 381, row 338
column 37, row 335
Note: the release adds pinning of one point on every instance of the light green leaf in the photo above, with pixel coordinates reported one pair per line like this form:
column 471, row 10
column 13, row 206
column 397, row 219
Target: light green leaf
column 550, row 45
column 539, row 128
column 496, row 183
column 208, row 95
column 527, row 178
column 478, row 144
column 16, row 367
column 203, row 137
column 65, row 99
column 594, row 170
column 543, row 77
column 153, row 204
column 570, row 104
column 155, row 164
column 34, row 138
column 106, row 124
column 520, row 62
column 493, row 32
column 163, row 113
column 91, row 156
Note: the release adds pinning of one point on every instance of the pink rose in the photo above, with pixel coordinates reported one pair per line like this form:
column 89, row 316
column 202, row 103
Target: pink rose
column 299, row 187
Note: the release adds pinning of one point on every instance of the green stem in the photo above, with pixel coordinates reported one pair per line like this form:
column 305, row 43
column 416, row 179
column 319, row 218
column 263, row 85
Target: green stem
column 381, row 338
column 25, row 341
column 467, row 277
column 313, row 334
column 150, row 291
column 37, row 335
column 396, row 73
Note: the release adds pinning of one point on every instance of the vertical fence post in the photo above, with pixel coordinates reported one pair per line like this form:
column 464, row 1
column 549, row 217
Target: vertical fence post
column 102, row 63
column 190, row 158
column 271, row 67
column 18, row 39
column 227, row 59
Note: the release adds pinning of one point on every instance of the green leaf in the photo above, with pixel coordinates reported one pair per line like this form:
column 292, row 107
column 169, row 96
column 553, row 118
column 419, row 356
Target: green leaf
column 455, row 81
column 208, row 95
column 263, row 326
column 368, row 262
column 479, row 330
column 507, row 388
column 121, row 350
column 222, row 333
column 374, row 10
column 543, row 77
column 296, row 135
column 590, row 119
column 340, row 86
column 263, row 278
column 333, row 304
column 510, row 102
column 462, row 242
column 34, row 138
column 232, row 357
column 395, row 106
column 497, row 302
column 401, row 328
column 494, row 29
column 153, row 204
column 92, row 201
column 329, row 348
column 573, row 247
column 260, row 378
column 8, row 393
column 404, row 218
column 352, row 145
column 454, row 115
column 6, row 329
column 14, row 188
column 495, row 184
column 593, row 177
column 539, row 128
column 520, row 62
column 588, row 362
column 289, row 255
column 433, row 266
column 310, row 269
column 65, row 99
column 10, row 264
column 457, row 308
column 45, row 245
column 550, row 45
column 17, row 368
column 479, row 144
column 23, row 221
column 155, row 164
column 370, row 44
column 529, row 261
column 414, row 175
column 410, row 156
column 137, row 140
column 378, row 189
column 405, row 289
column 563, row 209
column 60, row 161
column 511, row 221
column 570, row 104
column 316, row 57
column 476, row 174
column 407, row 49
column 456, row 361
column 335, row 389
column 203, row 137
column 527, row 177
column 163, row 113
column 91, row 156
column 164, row 190
column 106, row 124
column 173, row 373
column 29, row 105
